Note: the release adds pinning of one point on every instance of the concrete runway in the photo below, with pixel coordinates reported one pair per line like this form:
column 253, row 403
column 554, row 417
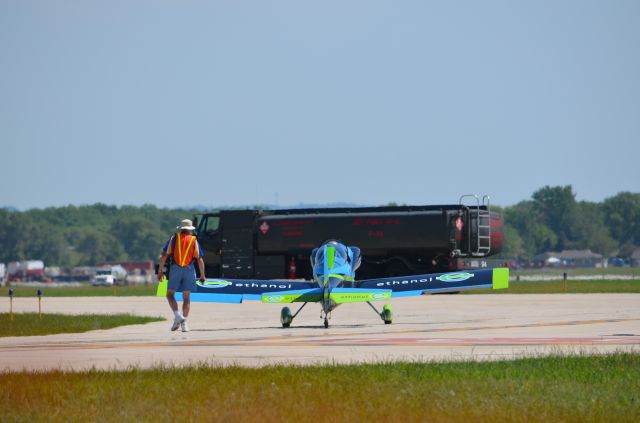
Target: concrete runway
column 440, row 327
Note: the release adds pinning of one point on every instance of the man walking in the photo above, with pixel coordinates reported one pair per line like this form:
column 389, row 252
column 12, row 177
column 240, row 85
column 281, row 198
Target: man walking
column 184, row 249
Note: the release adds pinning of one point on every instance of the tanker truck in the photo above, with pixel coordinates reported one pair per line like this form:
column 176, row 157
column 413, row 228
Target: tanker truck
column 394, row 240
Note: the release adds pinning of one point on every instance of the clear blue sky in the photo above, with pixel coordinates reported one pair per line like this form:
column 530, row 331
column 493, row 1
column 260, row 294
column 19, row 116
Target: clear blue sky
column 179, row 103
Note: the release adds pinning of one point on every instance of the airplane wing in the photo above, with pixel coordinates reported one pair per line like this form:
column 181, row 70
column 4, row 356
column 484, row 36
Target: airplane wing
column 236, row 290
column 403, row 286
column 337, row 295
column 287, row 291
column 272, row 291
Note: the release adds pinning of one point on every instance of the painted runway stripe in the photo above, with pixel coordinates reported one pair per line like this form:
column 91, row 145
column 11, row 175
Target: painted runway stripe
column 348, row 342
column 358, row 339
column 468, row 328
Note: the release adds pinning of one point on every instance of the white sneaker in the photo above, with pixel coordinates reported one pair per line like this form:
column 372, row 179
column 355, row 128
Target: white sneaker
column 184, row 326
column 176, row 323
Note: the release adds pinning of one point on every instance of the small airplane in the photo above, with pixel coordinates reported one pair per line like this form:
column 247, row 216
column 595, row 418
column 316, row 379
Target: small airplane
column 334, row 265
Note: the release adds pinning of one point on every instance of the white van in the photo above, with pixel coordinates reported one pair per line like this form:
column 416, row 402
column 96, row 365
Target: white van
column 104, row 277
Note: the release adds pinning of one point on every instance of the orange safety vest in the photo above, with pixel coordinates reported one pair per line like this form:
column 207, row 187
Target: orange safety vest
column 184, row 248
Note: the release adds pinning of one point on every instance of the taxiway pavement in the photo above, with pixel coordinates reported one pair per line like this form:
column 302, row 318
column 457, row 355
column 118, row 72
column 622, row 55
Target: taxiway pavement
column 438, row 327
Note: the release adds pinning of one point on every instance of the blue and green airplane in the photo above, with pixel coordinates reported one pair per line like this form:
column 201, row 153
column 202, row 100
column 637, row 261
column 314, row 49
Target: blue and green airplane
column 334, row 265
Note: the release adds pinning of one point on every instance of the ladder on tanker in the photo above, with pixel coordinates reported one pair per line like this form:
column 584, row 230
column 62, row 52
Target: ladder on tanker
column 483, row 231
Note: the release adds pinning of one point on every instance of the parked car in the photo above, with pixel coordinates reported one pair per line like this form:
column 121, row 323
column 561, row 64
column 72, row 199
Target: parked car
column 617, row 262
column 109, row 276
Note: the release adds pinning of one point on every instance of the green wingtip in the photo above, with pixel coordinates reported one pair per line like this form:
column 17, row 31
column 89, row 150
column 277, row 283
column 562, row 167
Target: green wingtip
column 162, row 288
column 501, row 278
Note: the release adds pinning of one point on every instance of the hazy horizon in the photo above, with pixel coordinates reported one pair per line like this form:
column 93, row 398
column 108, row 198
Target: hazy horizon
column 363, row 102
column 267, row 205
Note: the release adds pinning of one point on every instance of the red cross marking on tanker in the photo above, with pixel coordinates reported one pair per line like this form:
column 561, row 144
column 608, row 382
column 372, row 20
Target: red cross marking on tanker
column 264, row 228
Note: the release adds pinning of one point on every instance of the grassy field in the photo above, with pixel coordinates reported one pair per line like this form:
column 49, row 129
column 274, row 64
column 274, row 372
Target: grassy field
column 558, row 287
column 562, row 388
column 515, row 287
column 627, row 271
column 82, row 291
column 28, row 324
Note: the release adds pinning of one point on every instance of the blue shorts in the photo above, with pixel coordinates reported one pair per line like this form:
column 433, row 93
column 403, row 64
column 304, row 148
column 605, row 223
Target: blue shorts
column 182, row 278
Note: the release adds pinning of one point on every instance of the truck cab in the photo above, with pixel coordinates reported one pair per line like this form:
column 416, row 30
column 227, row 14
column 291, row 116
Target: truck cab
column 227, row 240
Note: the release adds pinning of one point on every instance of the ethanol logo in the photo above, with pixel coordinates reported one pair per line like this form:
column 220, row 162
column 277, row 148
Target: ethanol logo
column 274, row 298
column 379, row 296
column 454, row 277
column 213, row 283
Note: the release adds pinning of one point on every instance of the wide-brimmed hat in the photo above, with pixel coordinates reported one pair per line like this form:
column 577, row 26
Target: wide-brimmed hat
column 186, row 225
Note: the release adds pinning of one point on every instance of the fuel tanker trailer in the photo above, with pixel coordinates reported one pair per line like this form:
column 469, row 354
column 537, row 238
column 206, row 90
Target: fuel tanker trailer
column 394, row 241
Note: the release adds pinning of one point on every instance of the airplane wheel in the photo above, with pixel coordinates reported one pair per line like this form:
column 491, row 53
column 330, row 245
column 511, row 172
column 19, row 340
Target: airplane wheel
column 286, row 317
column 387, row 314
column 326, row 323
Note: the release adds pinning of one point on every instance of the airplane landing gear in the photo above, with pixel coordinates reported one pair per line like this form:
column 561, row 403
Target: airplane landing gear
column 386, row 315
column 286, row 317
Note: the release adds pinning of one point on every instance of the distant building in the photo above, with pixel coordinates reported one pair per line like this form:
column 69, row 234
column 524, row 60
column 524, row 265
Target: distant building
column 26, row 270
column 580, row 258
column 547, row 260
column 635, row 258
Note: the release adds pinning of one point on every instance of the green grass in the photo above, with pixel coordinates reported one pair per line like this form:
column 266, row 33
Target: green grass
column 562, row 388
column 558, row 287
column 29, row 324
column 580, row 271
column 82, row 291
column 515, row 287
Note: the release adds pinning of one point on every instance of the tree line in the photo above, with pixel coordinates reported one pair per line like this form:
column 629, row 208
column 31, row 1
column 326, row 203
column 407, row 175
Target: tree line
column 87, row 235
column 552, row 220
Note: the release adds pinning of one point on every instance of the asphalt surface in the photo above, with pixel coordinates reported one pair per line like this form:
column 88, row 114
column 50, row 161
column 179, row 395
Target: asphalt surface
column 439, row 327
